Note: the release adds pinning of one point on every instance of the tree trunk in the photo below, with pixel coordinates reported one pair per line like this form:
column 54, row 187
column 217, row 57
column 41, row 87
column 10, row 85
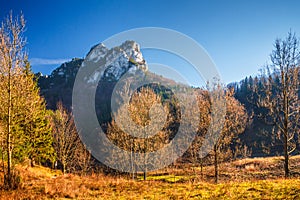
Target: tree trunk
column 145, row 157
column 216, row 165
column 286, row 130
column 286, row 158
column 131, row 158
column 63, row 168
column 201, row 166
column 32, row 162
column 8, row 141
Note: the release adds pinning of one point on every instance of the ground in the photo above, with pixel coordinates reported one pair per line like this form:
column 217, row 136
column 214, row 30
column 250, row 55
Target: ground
column 252, row 178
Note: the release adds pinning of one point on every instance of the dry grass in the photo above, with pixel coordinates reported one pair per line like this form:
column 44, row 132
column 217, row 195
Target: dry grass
column 249, row 169
column 245, row 179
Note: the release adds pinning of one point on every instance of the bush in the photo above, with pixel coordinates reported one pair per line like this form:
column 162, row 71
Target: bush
column 12, row 181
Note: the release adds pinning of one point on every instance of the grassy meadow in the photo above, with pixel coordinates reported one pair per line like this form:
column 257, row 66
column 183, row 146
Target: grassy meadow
column 251, row 178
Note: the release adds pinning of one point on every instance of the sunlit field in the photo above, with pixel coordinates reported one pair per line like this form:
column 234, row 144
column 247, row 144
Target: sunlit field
column 243, row 179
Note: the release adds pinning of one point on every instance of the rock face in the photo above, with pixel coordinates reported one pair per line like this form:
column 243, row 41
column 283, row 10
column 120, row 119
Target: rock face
column 113, row 63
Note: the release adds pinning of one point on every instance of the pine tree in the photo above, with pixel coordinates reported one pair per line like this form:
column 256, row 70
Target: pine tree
column 38, row 139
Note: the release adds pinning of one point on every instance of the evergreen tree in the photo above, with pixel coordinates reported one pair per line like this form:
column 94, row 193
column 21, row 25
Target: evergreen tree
column 38, row 137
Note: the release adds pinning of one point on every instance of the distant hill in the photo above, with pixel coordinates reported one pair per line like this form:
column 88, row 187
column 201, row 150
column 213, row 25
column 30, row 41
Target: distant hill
column 58, row 86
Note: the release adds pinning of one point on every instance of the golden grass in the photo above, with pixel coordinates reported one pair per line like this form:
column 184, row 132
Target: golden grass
column 43, row 183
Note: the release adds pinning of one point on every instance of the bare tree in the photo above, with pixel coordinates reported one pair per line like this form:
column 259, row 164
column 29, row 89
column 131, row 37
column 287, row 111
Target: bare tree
column 143, row 103
column 67, row 144
column 278, row 92
column 83, row 159
column 233, row 124
column 204, row 121
column 12, row 57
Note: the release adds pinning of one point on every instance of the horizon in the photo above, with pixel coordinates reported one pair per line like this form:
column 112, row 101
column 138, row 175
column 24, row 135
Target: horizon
column 238, row 35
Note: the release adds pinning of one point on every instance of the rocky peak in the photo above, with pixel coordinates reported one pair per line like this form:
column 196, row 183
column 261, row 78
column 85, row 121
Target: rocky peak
column 115, row 61
column 97, row 52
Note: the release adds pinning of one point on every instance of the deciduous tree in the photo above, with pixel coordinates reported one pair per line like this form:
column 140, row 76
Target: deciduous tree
column 233, row 124
column 278, row 93
column 70, row 152
column 12, row 57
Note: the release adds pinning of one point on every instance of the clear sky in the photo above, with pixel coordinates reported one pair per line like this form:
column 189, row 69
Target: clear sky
column 238, row 35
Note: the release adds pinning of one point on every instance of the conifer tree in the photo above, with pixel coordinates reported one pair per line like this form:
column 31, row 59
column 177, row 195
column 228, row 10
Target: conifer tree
column 38, row 139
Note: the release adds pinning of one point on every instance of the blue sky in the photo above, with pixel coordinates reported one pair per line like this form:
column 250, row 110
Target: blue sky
column 238, row 35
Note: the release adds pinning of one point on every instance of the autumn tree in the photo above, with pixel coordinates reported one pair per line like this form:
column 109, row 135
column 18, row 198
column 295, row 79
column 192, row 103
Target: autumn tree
column 224, row 127
column 124, row 141
column 143, row 103
column 192, row 154
column 278, row 93
column 70, row 152
column 12, row 62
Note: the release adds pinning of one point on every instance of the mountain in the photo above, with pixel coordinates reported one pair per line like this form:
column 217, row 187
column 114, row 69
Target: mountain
column 118, row 60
